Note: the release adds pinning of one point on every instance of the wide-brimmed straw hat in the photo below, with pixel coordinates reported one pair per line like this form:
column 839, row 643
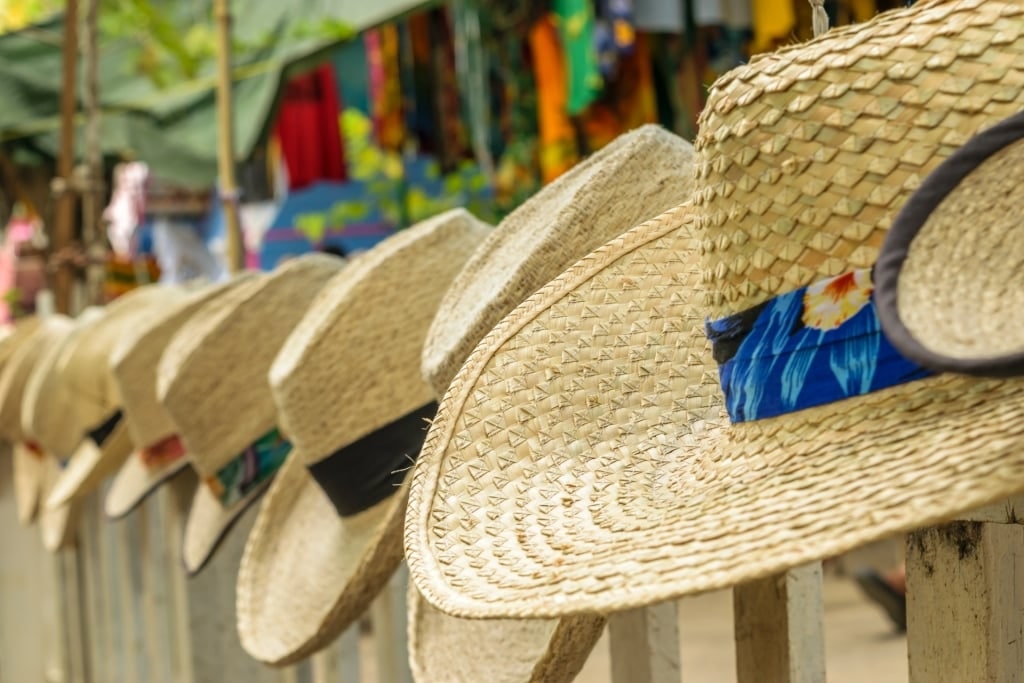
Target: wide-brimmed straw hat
column 92, row 411
column 951, row 270
column 212, row 381
column 636, row 177
column 352, row 400
column 158, row 452
column 28, row 456
column 590, row 421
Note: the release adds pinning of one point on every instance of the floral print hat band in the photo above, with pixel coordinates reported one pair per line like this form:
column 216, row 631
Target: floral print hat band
column 845, row 336
column 950, row 276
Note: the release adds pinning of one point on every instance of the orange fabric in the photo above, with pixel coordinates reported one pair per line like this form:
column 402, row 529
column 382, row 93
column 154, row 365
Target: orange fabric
column 558, row 150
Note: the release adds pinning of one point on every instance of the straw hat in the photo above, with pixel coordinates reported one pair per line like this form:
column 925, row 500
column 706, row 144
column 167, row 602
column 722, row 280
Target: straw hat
column 562, row 223
column 311, row 566
column 158, row 453
column 950, row 270
column 590, row 421
column 14, row 377
column 94, row 405
column 16, row 335
column 212, row 381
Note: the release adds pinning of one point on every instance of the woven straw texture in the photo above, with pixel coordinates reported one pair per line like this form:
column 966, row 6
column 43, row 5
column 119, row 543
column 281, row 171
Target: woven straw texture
column 16, row 372
column 961, row 282
column 212, row 377
column 522, row 467
column 135, row 359
column 581, row 460
column 636, row 177
column 306, row 573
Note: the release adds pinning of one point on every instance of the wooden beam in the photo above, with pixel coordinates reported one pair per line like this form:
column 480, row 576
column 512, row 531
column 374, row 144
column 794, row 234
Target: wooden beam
column 780, row 628
column 63, row 233
column 644, row 645
column 226, row 138
column 965, row 604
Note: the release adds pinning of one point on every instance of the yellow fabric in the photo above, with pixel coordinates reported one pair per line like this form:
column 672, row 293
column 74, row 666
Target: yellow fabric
column 774, row 21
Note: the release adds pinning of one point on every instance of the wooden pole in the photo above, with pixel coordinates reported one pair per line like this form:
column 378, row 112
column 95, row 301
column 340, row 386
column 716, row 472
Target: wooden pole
column 226, row 137
column 92, row 192
column 64, row 224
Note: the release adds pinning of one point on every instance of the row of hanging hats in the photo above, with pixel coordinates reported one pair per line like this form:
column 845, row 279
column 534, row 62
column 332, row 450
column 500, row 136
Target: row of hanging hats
column 672, row 370
column 819, row 350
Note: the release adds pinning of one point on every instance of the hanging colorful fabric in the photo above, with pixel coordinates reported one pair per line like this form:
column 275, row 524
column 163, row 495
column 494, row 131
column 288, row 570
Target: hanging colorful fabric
column 774, row 21
column 385, row 86
column 558, row 150
column 575, row 23
column 307, row 128
column 615, row 34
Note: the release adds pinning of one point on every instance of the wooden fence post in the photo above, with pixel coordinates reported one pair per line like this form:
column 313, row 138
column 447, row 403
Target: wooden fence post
column 965, row 607
column 390, row 632
column 779, row 625
column 644, row 644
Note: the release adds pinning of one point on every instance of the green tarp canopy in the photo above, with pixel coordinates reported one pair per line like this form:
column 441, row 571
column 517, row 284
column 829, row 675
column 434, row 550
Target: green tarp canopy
column 173, row 128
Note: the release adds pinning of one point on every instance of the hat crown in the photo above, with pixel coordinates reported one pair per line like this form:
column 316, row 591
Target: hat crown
column 638, row 175
column 352, row 365
column 135, row 359
column 806, row 155
column 212, row 377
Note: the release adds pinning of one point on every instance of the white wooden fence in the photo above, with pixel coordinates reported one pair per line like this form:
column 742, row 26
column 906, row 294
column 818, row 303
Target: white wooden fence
column 119, row 609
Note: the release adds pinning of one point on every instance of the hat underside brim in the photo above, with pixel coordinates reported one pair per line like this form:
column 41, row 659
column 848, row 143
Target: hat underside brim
column 134, row 482
column 502, row 650
column 308, row 574
column 208, row 524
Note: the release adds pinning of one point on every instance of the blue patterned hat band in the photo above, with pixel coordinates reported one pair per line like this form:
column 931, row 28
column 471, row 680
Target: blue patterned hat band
column 809, row 347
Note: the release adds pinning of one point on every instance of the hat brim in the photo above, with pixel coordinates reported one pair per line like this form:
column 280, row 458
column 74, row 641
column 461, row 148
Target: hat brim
column 27, row 477
column 208, row 524
column 948, row 276
column 590, row 424
column 306, row 573
column 89, row 466
column 501, row 650
column 134, row 482
column 57, row 524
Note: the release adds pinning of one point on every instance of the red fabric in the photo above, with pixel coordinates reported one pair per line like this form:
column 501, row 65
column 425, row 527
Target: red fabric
column 308, row 128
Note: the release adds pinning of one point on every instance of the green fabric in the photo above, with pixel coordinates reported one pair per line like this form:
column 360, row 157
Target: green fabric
column 173, row 129
column 576, row 29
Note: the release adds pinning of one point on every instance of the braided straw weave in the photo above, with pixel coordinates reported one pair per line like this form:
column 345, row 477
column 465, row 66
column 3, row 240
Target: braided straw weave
column 134, row 363
column 350, row 367
column 639, row 175
column 581, row 460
